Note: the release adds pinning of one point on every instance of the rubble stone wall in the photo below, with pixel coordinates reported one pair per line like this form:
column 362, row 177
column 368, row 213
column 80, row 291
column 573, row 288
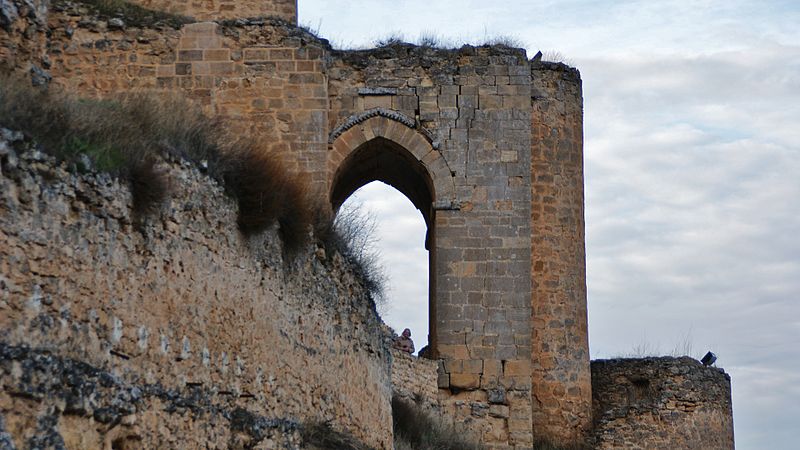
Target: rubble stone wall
column 414, row 378
column 178, row 330
column 661, row 403
column 226, row 9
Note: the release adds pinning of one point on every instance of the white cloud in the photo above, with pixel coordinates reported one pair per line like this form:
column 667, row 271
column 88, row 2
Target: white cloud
column 400, row 240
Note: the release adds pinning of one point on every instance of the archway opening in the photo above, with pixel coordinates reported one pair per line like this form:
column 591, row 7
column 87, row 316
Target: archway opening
column 404, row 236
column 399, row 235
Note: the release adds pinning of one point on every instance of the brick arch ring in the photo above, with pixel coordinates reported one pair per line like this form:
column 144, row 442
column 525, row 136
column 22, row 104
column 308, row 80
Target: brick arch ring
column 401, row 131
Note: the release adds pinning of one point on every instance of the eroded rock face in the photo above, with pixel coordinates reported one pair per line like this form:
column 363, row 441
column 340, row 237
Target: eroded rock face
column 661, row 403
column 175, row 332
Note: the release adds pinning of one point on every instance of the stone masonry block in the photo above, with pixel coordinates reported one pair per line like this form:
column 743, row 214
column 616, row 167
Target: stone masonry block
column 517, row 368
column 190, row 55
column 466, row 381
column 473, row 366
column 219, row 54
column 256, row 54
column 454, row 351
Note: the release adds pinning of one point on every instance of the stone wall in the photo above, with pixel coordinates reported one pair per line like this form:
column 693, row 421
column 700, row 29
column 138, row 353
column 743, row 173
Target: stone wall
column 414, row 378
column 263, row 77
column 226, row 9
column 661, row 403
column 177, row 330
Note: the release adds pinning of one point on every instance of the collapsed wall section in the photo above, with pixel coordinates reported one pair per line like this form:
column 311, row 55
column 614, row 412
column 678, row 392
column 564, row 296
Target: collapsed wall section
column 661, row 403
column 174, row 333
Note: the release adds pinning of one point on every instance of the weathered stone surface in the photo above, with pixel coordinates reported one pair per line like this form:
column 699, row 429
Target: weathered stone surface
column 415, row 378
column 661, row 403
column 181, row 312
column 226, row 9
column 86, row 397
column 560, row 349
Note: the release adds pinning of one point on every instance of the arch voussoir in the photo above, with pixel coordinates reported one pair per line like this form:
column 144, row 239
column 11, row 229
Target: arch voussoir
column 401, row 131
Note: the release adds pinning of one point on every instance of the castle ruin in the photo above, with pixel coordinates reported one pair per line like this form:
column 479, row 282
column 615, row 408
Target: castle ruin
column 484, row 141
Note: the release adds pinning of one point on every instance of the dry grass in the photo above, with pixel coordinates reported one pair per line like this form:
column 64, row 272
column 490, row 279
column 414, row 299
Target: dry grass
column 117, row 133
column 135, row 15
column 88, row 134
column 547, row 445
column 415, row 429
column 504, row 41
column 320, row 436
column 557, row 57
column 352, row 234
column 267, row 194
column 129, row 135
column 430, row 39
column 393, row 38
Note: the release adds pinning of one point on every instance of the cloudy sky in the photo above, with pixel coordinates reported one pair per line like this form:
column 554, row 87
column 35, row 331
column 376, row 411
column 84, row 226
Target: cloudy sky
column 692, row 177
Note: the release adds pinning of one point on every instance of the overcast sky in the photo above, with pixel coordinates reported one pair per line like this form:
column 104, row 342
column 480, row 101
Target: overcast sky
column 692, row 177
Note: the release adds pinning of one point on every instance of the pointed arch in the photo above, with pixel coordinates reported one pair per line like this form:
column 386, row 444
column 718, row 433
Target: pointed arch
column 375, row 143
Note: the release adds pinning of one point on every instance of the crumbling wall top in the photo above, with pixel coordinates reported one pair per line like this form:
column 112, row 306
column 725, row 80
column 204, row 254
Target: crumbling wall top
column 226, row 9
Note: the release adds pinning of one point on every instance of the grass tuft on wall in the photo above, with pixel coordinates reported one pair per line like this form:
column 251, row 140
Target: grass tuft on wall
column 416, row 429
column 321, row 436
column 129, row 135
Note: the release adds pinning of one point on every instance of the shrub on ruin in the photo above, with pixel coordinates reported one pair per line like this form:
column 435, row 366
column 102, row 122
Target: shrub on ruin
column 128, row 135
column 351, row 233
column 392, row 39
column 267, row 194
column 88, row 134
column 417, row 429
